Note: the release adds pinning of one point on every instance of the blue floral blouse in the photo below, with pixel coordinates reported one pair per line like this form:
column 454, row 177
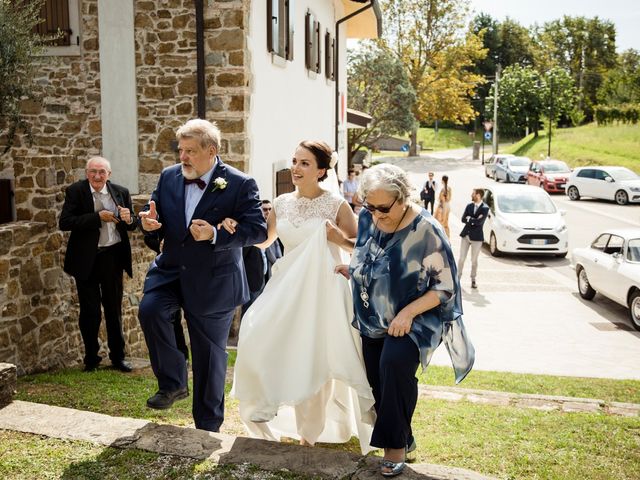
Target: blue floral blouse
column 391, row 270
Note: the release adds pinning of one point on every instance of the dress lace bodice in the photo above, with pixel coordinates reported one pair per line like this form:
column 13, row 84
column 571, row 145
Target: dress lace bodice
column 299, row 210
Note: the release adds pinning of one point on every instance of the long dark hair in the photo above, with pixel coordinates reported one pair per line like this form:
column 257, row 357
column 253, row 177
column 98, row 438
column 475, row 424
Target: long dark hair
column 445, row 182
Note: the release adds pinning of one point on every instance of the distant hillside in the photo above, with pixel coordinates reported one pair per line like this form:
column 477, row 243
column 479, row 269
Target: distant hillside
column 586, row 145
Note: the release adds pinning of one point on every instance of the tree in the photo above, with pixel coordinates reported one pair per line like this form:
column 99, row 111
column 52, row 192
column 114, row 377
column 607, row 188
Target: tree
column 18, row 46
column 526, row 96
column 429, row 38
column 622, row 83
column 378, row 85
column 585, row 47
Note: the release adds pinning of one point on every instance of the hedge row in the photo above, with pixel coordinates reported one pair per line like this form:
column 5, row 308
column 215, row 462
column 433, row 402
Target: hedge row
column 625, row 113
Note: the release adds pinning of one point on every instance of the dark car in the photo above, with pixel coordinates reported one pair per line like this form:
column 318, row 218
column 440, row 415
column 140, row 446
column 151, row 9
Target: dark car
column 549, row 174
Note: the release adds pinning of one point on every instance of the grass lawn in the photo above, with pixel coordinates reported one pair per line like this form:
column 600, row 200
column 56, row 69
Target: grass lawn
column 445, row 139
column 586, row 145
column 506, row 442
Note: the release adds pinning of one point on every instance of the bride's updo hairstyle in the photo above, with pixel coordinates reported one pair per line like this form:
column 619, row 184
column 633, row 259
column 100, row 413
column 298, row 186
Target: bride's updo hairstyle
column 387, row 177
column 322, row 153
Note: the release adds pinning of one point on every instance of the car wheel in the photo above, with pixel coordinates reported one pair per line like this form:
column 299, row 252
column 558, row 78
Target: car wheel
column 507, row 179
column 584, row 287
column 493, row 246
column 573, row 193
column 621, row 197
column 561, row 255
column 634, row 309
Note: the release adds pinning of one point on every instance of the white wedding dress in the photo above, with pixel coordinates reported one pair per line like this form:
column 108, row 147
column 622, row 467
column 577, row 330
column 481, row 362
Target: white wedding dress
column 299, row 370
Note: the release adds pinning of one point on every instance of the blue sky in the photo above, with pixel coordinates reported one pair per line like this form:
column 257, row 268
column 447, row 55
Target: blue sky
column 625, row 14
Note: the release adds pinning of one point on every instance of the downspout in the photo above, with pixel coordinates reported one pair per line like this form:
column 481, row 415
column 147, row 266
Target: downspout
column 337, row 62
column 202, row 109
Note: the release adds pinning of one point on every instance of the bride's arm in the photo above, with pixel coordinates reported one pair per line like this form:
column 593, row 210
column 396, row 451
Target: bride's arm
column 272, row 235
column 345, row 235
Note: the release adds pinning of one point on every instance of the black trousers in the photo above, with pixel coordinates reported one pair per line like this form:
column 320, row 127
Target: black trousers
column 208, row 335
column 391, row 364
column 104, row 286
column 429, row 201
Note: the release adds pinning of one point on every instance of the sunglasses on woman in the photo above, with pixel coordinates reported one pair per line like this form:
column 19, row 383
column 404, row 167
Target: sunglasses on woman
column 373, row 208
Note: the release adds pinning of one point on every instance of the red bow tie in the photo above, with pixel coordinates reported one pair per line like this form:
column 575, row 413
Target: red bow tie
column 197, row 181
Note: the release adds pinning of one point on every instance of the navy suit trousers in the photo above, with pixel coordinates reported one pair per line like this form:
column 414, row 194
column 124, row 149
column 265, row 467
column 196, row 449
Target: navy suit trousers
column 208, row 335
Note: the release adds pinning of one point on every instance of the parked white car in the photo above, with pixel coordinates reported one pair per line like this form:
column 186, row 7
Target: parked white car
column 524, row 219
column 611, row 266
column 609, row 183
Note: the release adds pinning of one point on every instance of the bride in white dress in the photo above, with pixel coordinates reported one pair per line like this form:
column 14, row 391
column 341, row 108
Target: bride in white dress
column 299, row 371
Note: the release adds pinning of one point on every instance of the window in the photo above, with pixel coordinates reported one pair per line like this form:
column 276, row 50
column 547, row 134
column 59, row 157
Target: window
column 600, row 174
column 329, row 55
column 586, row 173
column 633, row 251
column 60, row 16
column 312, row 43
column 601, row 242
column 615, row 245
column 280, row 28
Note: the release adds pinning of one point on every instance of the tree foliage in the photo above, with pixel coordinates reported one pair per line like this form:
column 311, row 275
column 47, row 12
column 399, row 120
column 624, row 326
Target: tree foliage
column 378, row 85
column 622, row 83
column 585, row 47
column 18, row 45
column 430, row 39
column 526, row 96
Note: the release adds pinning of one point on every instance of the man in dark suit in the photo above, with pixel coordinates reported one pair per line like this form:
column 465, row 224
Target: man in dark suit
column 428, row 193
column 473, row 218
column 200, row 269
column 99, row 213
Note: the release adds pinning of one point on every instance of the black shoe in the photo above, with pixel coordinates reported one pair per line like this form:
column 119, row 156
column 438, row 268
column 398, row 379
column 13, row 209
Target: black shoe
column 474, row 284
column 163, row 400
column 123, row 366
column 90, row 367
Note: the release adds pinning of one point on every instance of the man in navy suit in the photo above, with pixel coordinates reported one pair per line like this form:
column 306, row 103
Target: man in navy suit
column 99, row 215
column 473, row 218
column 200, row 269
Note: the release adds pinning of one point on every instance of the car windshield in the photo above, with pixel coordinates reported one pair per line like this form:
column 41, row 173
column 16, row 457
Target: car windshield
column 623, row 174
column 556, row 167
column 525, row 203
column 519, row 162
column 633, row 252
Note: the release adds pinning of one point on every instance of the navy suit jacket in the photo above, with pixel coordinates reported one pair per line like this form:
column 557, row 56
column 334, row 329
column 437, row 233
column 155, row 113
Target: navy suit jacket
column 473, row 222
column 212, row 276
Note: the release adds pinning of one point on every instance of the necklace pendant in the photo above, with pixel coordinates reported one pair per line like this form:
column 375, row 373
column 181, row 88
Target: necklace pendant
column 364, row 296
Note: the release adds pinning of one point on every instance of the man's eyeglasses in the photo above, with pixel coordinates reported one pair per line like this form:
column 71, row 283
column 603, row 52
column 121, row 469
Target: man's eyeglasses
column 373, row 208
column 93, row 171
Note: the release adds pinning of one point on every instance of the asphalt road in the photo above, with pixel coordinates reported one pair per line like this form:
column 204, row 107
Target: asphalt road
column 526, row 316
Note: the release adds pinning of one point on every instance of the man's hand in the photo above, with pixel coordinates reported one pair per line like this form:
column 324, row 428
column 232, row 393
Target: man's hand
column 201, row 230
column 108, row 216
column 229, row 224
column 150, row 218
column 125, row 215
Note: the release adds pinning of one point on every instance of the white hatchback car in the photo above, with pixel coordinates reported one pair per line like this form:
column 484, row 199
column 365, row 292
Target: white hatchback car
column 611, row 266
column 524, row 219
column 609, row 183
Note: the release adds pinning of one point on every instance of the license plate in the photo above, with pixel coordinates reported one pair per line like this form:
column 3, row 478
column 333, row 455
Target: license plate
column 560, row 185
column 538, row 241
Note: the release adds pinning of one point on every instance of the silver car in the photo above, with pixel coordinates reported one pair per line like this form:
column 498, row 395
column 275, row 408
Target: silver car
column 490, row 164
column 512, row 169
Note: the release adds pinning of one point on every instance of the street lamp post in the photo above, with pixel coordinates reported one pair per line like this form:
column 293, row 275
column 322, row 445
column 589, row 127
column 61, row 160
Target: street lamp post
column 551, row 117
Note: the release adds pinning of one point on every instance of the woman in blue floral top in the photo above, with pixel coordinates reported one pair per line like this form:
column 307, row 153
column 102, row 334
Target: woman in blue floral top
column 407, row 301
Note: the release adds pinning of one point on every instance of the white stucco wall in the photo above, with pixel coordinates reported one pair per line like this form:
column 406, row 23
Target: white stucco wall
column 118, row 90
column 287, row 104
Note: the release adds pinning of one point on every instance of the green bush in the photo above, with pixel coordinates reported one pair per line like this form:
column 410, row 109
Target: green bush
column 628, row 113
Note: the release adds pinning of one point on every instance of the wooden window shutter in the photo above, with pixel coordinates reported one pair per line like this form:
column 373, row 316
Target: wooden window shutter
column 55, row 16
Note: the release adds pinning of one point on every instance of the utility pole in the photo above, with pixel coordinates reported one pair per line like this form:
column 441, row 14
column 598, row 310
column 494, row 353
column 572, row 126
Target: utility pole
column 551, row 116
column 495, row 111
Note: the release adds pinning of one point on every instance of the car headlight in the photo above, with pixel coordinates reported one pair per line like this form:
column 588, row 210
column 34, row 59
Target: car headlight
column 561, row 228
column 508, row 226
column 634, row 189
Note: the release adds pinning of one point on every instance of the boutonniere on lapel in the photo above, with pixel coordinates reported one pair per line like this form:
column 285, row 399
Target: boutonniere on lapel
column 219, row 183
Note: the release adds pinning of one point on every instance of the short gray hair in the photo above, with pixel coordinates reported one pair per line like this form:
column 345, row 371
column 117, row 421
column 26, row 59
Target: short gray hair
column 387, row 177
column 98, row 159
column 207, row 132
